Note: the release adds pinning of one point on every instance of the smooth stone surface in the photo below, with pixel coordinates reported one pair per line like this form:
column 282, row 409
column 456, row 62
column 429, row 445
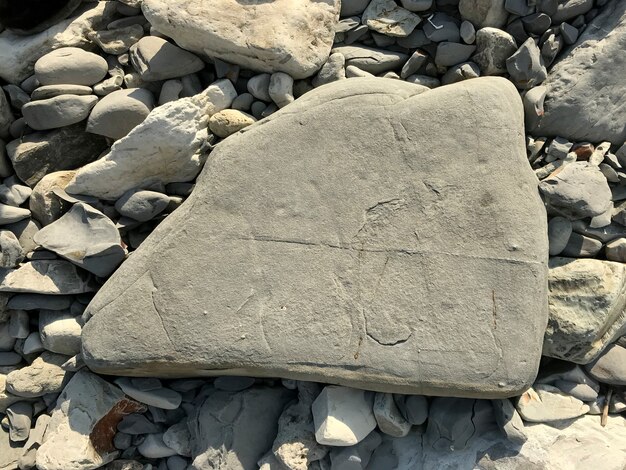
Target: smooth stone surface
column 493, row 48
column 414, row 408
column 610, row 366
column 18, row 54
column 119, row 112
column 54, row 277
column 42, row 377
column 587, row 299
column 386, row 17
column 161, row 397
column 70, row 66
column 60, row 111
column 10, row 214
column 577, row 190
column 580, row 246
column 509, row 420
column 544, row 403
column 526, row 66
column 168, row 146
column 81, row 429
column 388, row 416
column 370, row 59
column 580, row 103
column 232, row 431
column 157, row 59
column 50, row 91
column 40, row 153
column 255, row 35
column 343, row 416
column 153, row 447
column 141, row 205
column 289, row 263
column 229, row 121
column 60, row 332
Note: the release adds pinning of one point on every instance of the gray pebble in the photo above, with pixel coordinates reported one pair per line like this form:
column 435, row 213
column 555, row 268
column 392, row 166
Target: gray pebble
column 414, row 63
column 441, row 27
column 176, row 462
column 550, row 48
column 616, row 250
column 226, row 70
column 281, row 89
column 353, row 71
column 160, row 398
column 33, row 344
column 559, row 147
column 17, row 96
column 453, row 53
column 19, row 324
column 50, row 91
column 108, row 86
column 243, row 102
column 370, row 59
column 533, row 104
column 416, row 5
column 122, row 441
column 353, row 7
column 526, row 66
column 137, row 424
column 549, row 7
column 467, row 32
column 11, row 250
column 414, row 408
column 460, row 72
column 581, row 246
column 118, row 113
column 10, row 358
column 141, row 205
column 537, row 23
column 70, row 65
column 157, row 59
column 559, row 231
column 13, row 193
column 259, row 86
column 509, row 421
column 60, row 111
column 30, row 84
column 332, row 70
column 170, row 91
column 568, row 33
column 233, row 384
column 518, row 7
column 416, row 39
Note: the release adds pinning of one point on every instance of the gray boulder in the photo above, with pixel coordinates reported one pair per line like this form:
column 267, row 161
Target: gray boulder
column 342, row 266
column 119, row 112
column 582, row 101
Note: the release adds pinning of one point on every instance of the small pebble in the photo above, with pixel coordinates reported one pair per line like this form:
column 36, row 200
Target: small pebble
column 141, row 205
column 229, row 121
column 281, row 89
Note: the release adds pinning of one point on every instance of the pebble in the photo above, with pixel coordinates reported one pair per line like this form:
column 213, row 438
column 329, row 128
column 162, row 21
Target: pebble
column 157, row 59
column 536, row 23
column 19, row 324
column 70, row 66
column 13, row 193
column 453, row 53
column 483, row 13
column 44, row 376
column 60, row 332
column 493, row 48
column 415, row 62
column 117, row 41
column 10, row 214
column 10, row 358
column 416, row 39
column 386, row 17
column 441, row 27
column 518, row 7
column 460, row 72
column 136, row 424
column 342, row 416
column 119, row 112
column 281, row 89
column 616, row 250
column 550, row 48
column 544, row 403
column 467, row 32
column 60, row 111
column 163, row 398
column 153, row 447
column 229, row 121
column 559, row 231
column 353, row 7
column 20, row 416
column 233, row 383
column 243, row 102
column 526, row 66
column 33, row 344
column 568, row 33
column 50, row 91
column 388, row 417
column 370, row 59
column 610, row 366
column 141, row 205
column 123, row 441
column 509, row 420
column 416, row 5
column 569, row 9
column 17, row 96
column 178, row 438
column 332, row 70
column 109, row 85
column 259, row 87
column 581, row 246
column 583, row 392
column 10, row 249
column 170, row 91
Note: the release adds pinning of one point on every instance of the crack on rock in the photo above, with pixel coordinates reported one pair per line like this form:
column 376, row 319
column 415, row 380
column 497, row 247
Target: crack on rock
column 157, row 310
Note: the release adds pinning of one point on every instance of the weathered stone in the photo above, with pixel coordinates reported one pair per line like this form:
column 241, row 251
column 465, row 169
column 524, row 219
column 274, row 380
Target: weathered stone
column 60, row 111
column 70, row 66
column 40, row 153
column 493, row 48
column 86, row 237
column 168, row 146
column 229, row 121
column 580, row 246
column 10, row 452
column 119, row 112
column 54, row 277
column 386, row 252
column 42, row 377
column 357, row 456
column 60, row 332
column 119, row 40
column 610, row 366
column 509, row 421
column 386, row 17
column 10, row 214
column 483, row 13
column 255, row 35
column 587, row 299
column 155, row 59
column 526, row 66
column 370, row 59
column 581, row 89
column 81, row 430
column 388, row 416
column 232, row 431
column 544, row 403
column 18, row 54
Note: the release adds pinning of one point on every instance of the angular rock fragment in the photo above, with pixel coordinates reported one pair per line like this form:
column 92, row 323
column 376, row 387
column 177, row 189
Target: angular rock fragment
column 386, row 17
column 54, row 277
column 255, row 35
column 44, row 376
column 80, row 432
column 293, row 248
column 509, row 420
column 168, row 146
column 157, row 59
column 544, row 403
column 587, row 298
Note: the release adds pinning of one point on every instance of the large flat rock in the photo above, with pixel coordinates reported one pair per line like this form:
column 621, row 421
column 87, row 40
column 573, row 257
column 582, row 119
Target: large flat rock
column 366, row 235
column 292, row 36
column 586, row 88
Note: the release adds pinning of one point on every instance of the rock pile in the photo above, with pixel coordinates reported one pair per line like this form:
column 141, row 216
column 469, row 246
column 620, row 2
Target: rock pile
column 289, row 235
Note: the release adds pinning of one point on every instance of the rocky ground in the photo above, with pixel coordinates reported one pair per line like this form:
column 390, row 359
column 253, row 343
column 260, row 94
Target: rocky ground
column 414, row 260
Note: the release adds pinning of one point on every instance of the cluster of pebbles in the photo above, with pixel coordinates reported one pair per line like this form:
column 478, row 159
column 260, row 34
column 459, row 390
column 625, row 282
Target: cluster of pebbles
column 73, row 208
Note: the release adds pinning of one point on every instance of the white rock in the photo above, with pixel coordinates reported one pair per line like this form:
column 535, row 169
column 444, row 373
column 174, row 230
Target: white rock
column 18, row 54
column 544, row 403
column 42, row 377
column 60, row 332
column 256, row 35
column 343, row 416
column 60, row 111
column 71, row 442
column 119, row 112
column 167, row 147
column 70, row 66
column 10, row 214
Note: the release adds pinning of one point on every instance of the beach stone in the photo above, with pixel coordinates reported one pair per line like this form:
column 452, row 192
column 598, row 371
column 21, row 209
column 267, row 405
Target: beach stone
column 153, row 447
column 160, row 397
column 297, row 44
column 119, row 40
column 588, row 111
column 577, row 190
column 142, row 205
column 6, row 116
column 60, row 111
column 416, row 5
column 332, row 70
column 356, row 456
column 60, row 332
column 410, row 326
column 453, row 53
column 580, row 246
column 18, row 54
column 509, row 421
column 610, row 366
column 388, row 416
column 493, row 48
column 460, row 72
column 119, row 112
column 281, row 89
column 386, row 17
column 343, row 416
column 11, row 251
column 50, row 91
column 10, row 451
column 569, row 9
column 157, row 59
column 544, row 403
column 178, row 438
column 20, row 418
column 442, row 27
column 42, row 377
column 10, row 214
column 616, row 250
column 81, row 429
column 229, row 121
column 232, row 431
column 526, row 66
column 54, row 277
column 86, row 237
column 233, row 383
column 45, row 205
column 70, row 66
column 40, row 153
column 13, row 193
column 370, row 59
column 559, row 232
column 168, row 146
column 259, row 86
column 484, row 13
column 587, row 299
column 414, row 408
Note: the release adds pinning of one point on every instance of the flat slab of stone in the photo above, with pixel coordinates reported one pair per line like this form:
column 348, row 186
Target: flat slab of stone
column 386, row 255
column 291, row 36
column 585, row 89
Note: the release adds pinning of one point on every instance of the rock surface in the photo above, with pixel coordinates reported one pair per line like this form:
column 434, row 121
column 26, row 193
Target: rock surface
column 582, row 88
column 54, row 277
column 387, row 252
column 587, row 298
column 255, row 35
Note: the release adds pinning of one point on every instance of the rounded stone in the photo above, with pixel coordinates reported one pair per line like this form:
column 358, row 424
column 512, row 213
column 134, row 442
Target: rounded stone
column 119, row 112
column 141, row 205
column 60, row 111
column 559, row 231
column 493, row 47
column 70, row 66
column 229, row 121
